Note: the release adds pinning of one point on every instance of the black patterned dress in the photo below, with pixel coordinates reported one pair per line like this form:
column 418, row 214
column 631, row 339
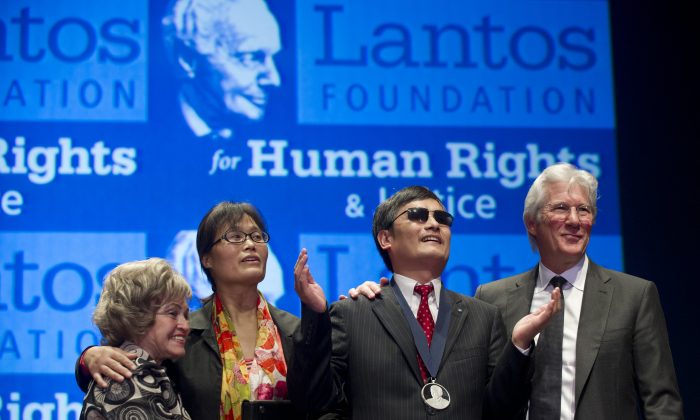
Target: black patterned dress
column 148, row 394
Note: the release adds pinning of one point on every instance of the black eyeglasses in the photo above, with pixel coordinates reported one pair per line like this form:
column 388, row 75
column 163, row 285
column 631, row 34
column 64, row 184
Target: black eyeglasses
column 237, row 237
column 421, row 214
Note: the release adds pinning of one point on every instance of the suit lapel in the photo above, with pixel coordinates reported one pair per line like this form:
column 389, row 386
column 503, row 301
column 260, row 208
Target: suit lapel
column 597, row 297
column 458, row 314
column 520, row 298
column 388, row 311
column 285, row 329
column 201, row 324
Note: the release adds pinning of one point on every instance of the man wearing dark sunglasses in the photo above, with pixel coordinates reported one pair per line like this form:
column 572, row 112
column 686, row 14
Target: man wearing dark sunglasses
column 418, row 349
column 613, row 359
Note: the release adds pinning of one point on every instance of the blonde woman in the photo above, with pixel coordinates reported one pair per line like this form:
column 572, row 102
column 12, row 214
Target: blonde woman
column 143, row 311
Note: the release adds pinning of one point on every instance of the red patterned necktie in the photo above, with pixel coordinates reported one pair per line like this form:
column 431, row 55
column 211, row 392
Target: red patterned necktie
column 425, row 319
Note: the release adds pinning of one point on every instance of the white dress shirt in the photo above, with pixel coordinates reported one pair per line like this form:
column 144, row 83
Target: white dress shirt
column 406, row 285
column 573, row 297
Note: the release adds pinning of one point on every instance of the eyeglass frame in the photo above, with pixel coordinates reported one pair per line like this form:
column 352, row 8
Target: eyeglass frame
column 265, row 237
column 557, row 208
column 415, row 210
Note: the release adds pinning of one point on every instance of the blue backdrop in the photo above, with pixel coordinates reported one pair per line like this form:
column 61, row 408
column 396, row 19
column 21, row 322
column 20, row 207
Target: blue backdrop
column 114, row 143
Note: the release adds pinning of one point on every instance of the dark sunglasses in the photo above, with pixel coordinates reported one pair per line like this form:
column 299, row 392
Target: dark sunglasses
column 421, row 214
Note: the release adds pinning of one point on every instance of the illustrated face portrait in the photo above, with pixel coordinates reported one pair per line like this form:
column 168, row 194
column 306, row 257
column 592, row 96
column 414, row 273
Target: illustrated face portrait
column 436, row 397
column 436, row 392
column 238, row 74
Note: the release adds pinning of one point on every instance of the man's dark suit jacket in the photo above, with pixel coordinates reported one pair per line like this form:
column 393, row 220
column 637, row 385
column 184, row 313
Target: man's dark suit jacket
column 375, row 369
column 623, row 359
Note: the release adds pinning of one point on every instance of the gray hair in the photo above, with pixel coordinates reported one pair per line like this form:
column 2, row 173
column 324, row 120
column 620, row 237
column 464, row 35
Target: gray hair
column 537, row 196
column 132, row 294
column 199, row 26
column 387, row 211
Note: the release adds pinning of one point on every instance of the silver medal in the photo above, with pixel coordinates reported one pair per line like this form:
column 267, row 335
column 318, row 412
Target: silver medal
column 435, row 395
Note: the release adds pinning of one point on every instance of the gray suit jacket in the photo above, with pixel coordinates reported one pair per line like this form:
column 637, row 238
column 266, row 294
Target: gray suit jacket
column 624, row 366
column 375, row 370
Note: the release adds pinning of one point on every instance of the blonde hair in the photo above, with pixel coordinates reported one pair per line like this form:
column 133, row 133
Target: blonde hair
column 131, row 295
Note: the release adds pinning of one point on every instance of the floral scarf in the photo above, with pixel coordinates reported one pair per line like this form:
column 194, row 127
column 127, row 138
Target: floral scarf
column 263, row 379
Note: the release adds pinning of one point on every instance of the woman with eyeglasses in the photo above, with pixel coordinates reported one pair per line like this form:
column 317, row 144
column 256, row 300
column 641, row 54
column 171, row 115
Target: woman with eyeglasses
column 239, row 347
column 142, row 310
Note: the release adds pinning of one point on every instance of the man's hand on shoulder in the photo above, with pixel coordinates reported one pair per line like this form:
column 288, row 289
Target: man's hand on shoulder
column 368, row 289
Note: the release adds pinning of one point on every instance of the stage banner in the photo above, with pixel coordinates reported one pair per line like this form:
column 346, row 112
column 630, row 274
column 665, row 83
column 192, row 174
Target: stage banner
column 123, row 121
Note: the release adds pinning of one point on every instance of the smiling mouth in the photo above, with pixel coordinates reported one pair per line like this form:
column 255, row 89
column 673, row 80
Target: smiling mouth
column 259, row 100
column 572, row 236
column 431, row 238
column 251, row 259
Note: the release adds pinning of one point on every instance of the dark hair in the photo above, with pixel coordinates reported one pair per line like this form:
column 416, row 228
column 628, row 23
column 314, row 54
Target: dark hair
column 387, row 211
column 220, row 218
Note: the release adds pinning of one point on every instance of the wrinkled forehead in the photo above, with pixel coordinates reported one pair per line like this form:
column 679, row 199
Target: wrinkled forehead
column 567, row 191
column 249, row 26
column 178, row 302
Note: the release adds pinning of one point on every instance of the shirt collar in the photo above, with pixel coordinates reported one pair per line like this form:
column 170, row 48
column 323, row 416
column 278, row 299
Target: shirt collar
column 576, row 275
column 407, row 284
